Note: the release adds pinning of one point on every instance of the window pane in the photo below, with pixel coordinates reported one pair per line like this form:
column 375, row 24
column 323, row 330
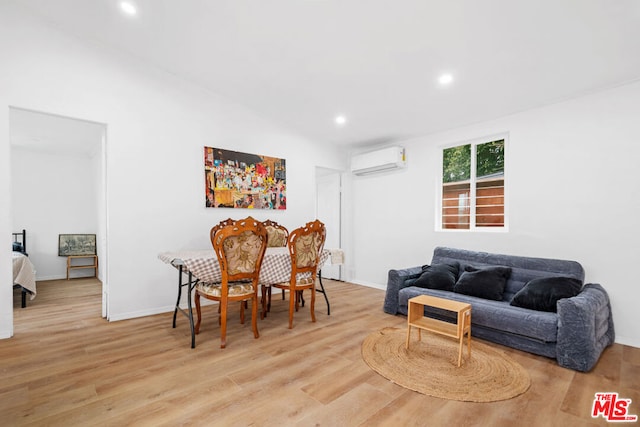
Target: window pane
column 456, row 164
column 455, row 205
column 490, row 158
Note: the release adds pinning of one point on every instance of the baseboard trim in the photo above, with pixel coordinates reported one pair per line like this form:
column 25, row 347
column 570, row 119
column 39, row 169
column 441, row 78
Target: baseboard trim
column 628, row 341
column 142, row 313
column 368, row 284
column 154, row 311
column 54, row 277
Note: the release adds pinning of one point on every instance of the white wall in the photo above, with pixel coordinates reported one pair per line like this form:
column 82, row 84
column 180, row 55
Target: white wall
column 573, row 188
column 52, row 194
column 157, row 126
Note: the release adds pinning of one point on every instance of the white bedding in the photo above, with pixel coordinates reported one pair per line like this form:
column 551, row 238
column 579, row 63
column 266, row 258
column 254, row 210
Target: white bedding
column 24, row 274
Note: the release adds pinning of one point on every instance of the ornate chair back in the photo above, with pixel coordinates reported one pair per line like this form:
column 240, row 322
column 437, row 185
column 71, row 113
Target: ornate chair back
column 219, row 226
column 305, row 247
column 278, row 234
column 240, row 249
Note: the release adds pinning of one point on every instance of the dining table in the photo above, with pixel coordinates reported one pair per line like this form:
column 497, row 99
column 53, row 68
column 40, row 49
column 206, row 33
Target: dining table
column 195, row 266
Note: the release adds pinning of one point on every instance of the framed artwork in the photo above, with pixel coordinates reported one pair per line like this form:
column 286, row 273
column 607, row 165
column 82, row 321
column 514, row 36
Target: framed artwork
column 76, row 244
column 242, row 180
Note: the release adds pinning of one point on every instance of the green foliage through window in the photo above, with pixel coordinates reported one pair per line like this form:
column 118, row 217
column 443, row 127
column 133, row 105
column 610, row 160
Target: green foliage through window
column 490, row 158
column 456, row 163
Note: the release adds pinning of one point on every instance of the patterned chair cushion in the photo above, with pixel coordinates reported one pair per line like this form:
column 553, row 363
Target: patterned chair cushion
column 306, row 280
column 215, row 289
column 276, row 237
column 307, row 249
column 301, row 280
column 242, row 252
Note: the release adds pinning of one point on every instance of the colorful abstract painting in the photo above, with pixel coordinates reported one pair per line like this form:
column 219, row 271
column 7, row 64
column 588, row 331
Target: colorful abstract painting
column 242, row 180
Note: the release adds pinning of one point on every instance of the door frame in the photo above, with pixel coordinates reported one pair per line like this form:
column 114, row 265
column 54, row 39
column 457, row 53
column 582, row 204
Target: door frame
column 335, row 271
column 101, row 188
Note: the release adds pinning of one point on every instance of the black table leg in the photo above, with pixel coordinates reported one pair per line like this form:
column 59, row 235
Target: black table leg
column 193, row 333
column 323, row 292
column 175, row 312
column 189, row 312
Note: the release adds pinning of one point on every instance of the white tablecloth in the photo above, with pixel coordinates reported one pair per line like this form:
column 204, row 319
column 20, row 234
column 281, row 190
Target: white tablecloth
column 276, row 265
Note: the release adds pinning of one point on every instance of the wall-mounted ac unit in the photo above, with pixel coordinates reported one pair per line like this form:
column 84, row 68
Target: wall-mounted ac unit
column 381, row 160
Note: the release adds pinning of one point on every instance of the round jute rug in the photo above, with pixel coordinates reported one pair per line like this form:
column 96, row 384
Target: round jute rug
column 430, row 366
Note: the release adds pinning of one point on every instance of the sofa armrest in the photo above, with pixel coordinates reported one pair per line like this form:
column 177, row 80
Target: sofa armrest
column 585, row 328
column 397, row 280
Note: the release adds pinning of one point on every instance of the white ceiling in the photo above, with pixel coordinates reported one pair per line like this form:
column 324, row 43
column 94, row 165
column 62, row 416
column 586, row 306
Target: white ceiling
column 302, row 62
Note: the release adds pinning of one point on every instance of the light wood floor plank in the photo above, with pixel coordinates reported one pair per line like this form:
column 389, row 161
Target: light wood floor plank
column 66, row 366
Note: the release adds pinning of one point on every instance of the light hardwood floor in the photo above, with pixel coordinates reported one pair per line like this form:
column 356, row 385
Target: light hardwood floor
column 67, row 366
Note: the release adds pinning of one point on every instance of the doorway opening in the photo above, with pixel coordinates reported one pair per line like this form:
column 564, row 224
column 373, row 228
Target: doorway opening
column 58, row 186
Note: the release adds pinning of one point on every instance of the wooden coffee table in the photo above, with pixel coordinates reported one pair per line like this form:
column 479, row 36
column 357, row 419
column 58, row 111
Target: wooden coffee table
column 416, row 318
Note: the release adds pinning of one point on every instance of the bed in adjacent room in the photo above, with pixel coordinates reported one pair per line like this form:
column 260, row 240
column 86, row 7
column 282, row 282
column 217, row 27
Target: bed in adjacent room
column 24, row 273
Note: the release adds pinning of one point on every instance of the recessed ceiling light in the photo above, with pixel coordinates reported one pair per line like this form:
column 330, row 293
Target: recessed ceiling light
column 340, row 120
column 128, row 8
column 445, row 79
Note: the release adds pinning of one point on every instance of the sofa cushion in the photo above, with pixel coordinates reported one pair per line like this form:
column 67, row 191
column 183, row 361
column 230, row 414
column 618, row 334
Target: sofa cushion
column 438, row 276
column 488, row 282
column 543, row 294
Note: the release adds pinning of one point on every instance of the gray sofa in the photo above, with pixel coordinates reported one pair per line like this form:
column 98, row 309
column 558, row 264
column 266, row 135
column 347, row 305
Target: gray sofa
column 575, row 335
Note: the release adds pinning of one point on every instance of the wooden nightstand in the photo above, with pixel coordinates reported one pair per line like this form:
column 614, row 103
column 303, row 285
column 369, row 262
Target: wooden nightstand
column 71, row 266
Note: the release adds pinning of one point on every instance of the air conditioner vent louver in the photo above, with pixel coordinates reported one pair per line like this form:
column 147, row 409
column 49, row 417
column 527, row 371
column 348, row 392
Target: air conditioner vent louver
column 381, row 160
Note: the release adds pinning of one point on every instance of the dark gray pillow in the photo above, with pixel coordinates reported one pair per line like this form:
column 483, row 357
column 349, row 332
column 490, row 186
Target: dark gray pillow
column 438, row 276
column 543, row 294
column 487, row 283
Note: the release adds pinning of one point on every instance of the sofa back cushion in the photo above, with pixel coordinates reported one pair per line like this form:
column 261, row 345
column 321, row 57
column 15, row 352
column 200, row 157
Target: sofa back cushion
column 438, row 276
column 543, row 294
column 523, row 269
column 487, row 282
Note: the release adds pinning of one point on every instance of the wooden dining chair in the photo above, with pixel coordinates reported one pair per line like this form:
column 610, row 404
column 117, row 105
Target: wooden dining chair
column 240, row 249
column 305, row 247
column 277, row 238
column 214, row 230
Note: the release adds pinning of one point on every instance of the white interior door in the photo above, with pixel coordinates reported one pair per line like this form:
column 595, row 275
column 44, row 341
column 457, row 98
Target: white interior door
column 328, row 208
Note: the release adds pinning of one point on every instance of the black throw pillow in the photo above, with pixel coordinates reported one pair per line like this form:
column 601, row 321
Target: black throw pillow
column 542, row 294
column 438, row 276
column 17, row 247
column 487, row 283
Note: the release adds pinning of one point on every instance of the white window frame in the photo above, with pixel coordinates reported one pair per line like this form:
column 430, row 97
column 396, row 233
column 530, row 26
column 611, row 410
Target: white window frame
column 472, row 190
